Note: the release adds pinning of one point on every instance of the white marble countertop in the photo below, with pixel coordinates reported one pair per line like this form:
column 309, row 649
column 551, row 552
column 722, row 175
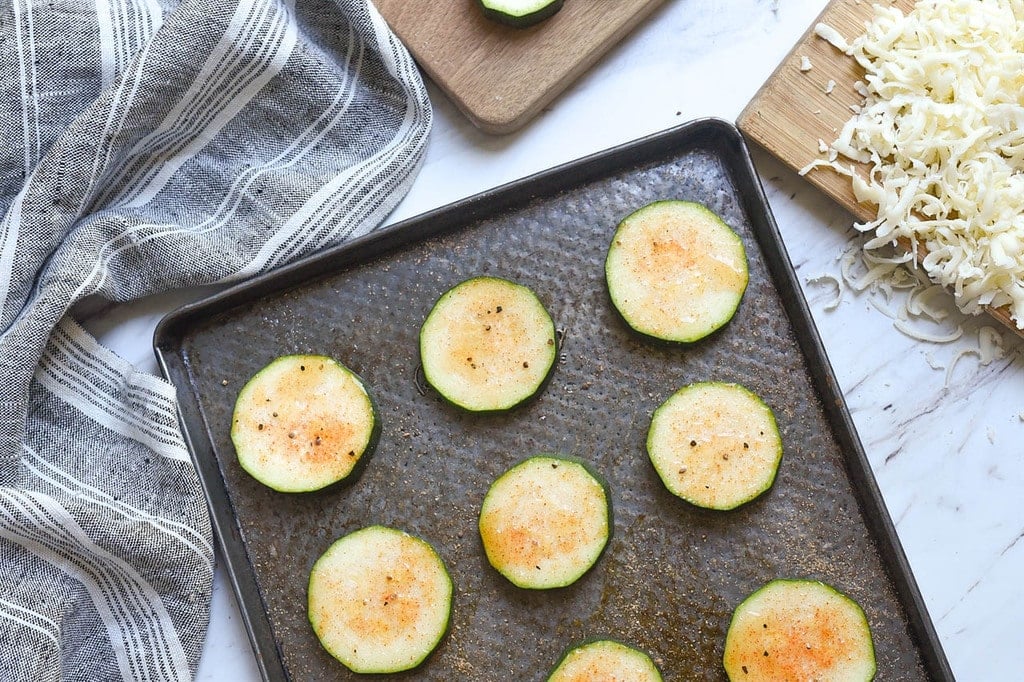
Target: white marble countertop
column 947, row 451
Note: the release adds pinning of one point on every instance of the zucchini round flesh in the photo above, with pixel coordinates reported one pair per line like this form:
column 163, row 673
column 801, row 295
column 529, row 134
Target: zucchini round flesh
column 605, row 661
column 487, row 345
column 675, row 271
column 380, row 600
column 519, row 13
column 799, row 630
column 302, row 423
column 716, row 445
column 545, row 521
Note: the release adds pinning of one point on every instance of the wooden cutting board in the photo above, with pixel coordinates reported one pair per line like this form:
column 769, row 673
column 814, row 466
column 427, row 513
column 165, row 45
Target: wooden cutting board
column 498, row 76
column 792, row 111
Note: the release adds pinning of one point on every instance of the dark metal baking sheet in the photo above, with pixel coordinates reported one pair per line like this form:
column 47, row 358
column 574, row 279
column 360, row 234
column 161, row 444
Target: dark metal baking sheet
column 672, row 573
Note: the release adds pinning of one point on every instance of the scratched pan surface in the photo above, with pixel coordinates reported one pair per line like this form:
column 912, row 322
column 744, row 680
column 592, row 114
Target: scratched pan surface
column 672, row 573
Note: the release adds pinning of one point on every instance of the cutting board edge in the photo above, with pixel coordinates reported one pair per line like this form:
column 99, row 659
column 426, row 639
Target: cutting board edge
column 506, row 118
column 501, row 125
column 754, row 104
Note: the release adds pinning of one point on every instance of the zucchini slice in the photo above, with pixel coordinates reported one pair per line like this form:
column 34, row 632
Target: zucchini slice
column 675, row 271
column 716, row 445
column 799, row 630
column 380, row 600
column 605, row 660
column 487, row 345
column 303, row 423
column 545, row 521
column 519, row 13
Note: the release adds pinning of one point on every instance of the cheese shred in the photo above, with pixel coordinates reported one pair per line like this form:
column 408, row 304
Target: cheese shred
column 942, row 131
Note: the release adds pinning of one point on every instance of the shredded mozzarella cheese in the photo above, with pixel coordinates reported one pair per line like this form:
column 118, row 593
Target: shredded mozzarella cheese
column 831, row 35
column 956, row 358
column 942, row 129
column 926, row 301
column 835, row 282
column 990, row 343
column 921, row 335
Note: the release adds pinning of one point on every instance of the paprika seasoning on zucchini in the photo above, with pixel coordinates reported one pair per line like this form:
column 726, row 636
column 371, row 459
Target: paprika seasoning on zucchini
column 304, row 423
column 487, row 345
column 715, row 445
column 675, row 271
column 380, row 600
column 546, row 521
column 799, row 630
column 604, row 659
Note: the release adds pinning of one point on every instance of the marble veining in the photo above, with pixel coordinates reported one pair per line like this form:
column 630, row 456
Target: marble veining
column 945, row 444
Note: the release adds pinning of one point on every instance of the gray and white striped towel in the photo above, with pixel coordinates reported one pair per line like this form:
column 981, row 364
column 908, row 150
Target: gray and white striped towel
column 146, row 145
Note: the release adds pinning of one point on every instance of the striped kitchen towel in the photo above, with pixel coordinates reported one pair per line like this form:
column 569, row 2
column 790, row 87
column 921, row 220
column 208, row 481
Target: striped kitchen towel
column 147, row 145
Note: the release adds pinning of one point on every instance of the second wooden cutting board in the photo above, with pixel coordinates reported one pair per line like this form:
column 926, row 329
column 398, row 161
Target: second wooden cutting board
column 498, row 76
column 796, row 108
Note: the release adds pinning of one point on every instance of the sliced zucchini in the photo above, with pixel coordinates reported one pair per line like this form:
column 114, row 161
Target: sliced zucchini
column 380, row 600
column 545, row 521
column 675, row 271
column 487, row 345
column 519, row 13
column 799, row 630
column 716, row 445
column 303, row 423
column 605, row 660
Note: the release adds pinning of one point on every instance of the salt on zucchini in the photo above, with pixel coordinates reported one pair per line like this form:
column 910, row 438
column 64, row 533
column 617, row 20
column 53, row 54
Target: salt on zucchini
column 546, row 521
column 799, row 630
column 604, row 660
column 519, row 13
column 487, row 345
column 716, row 445
column 304, row 423
column 379, row 600
column 675, row 271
